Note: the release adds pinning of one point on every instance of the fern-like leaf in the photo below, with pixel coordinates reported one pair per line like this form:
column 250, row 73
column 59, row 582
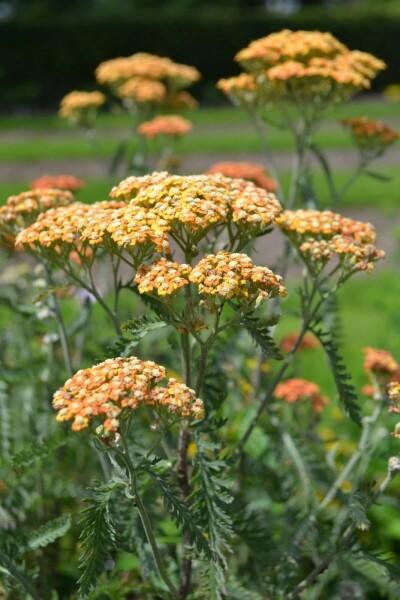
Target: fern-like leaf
column 5, row 423
column 210, row 500
column 141, row 326
column 38, row 451
column 379, row 559
column 49, row 532
column 347, row 393
column 98, row 534
column 259, row 330
column 180, row 513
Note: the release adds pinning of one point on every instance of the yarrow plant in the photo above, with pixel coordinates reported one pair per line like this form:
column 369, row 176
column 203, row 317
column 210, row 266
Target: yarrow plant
column 216, row 475
column 143, row 85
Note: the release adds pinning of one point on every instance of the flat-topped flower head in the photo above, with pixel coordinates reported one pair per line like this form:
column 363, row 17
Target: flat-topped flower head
column 353, row 255
column 254, row 172
column 226, row 275
column 163, row 277
column 59, row 182
column 23, row 209
column 150, row 66
column 379, row 362
column 105, row 391
column 244, row 89
column 304, row 223
column 371, row 137
column 128, row 188
column 81, row 107
column 143, row 91
column 169, row 125
column 289, row 45
column 308, row 342
column 295, row 389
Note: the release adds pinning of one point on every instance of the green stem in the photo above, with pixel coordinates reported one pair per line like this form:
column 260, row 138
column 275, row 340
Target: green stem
column 16, row 573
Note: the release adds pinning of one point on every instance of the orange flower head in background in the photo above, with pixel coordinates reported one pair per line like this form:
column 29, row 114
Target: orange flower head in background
column 169, row 125
column 307, row 343
column 292, row 390
column 81, row 106
column 371, row 137
column 104, row 391
column 379, row 362
column 254, row 172
column 59, row 182
column 143, row 91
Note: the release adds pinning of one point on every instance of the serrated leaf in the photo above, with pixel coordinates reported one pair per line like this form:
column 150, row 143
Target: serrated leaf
column 39, row 450
column 358, row 512
column 393, row 570
column 98, row 535
column 48, row 291
column 347, row 393
column 5, row 422
column 49, row 532
column 180, row 513
column 259, row 329
column 141, row 326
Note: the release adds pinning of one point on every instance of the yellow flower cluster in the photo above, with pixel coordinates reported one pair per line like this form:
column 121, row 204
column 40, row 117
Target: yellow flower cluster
column 149, row 66
column 320, row 235
column 233, row 275
column 164, row 277
column 324, row 224
column 170, row 125
column 394, row 396
column 128, row 188
column 301, row 65
column 372, row 137
column 254, row 172
column 23, row 209
column 143, row 91
column 105, row 390
column 76, row 105
column 59, row 182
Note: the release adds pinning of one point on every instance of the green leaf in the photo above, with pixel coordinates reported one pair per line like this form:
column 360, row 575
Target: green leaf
column 378, row 176
column 347, row 393
column 98, row 535
column 180, row 513
column 358, row 511
column 49, row 532
column 259, row 329
column 141, row 326
column 39, row 450
column 392, row 570
column 5, row 422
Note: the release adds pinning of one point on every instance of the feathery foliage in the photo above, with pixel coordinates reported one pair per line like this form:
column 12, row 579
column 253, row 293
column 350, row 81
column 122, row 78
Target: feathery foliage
column 259, row 330
column 48, row 533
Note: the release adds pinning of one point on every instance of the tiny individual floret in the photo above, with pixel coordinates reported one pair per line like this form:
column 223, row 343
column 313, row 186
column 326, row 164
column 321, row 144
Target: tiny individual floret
column 292, row 390
column 254, row 172
column 59, row 182
column 227, row 275
column 128, row 188
column 169, row 125
column 163, row 277
column 103, row 392
column 308, row 342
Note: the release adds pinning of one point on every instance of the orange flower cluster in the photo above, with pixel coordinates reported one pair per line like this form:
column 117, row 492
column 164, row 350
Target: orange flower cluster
column 105, row 390
column 307, row 343
column 149, row 66
column 199, row 201
column 23, row 209
column 394, row 397
column 372, row 137
column 143, row 91
column 171, row 125
column 320, row 235
column 164, row 277
column 59, row 182
column 232, row 275
column 243, row 89
column 254, row 172
column 298, row 65
column 379, row 362
column 76, row 105
column 324, row 224
column 292, row 390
